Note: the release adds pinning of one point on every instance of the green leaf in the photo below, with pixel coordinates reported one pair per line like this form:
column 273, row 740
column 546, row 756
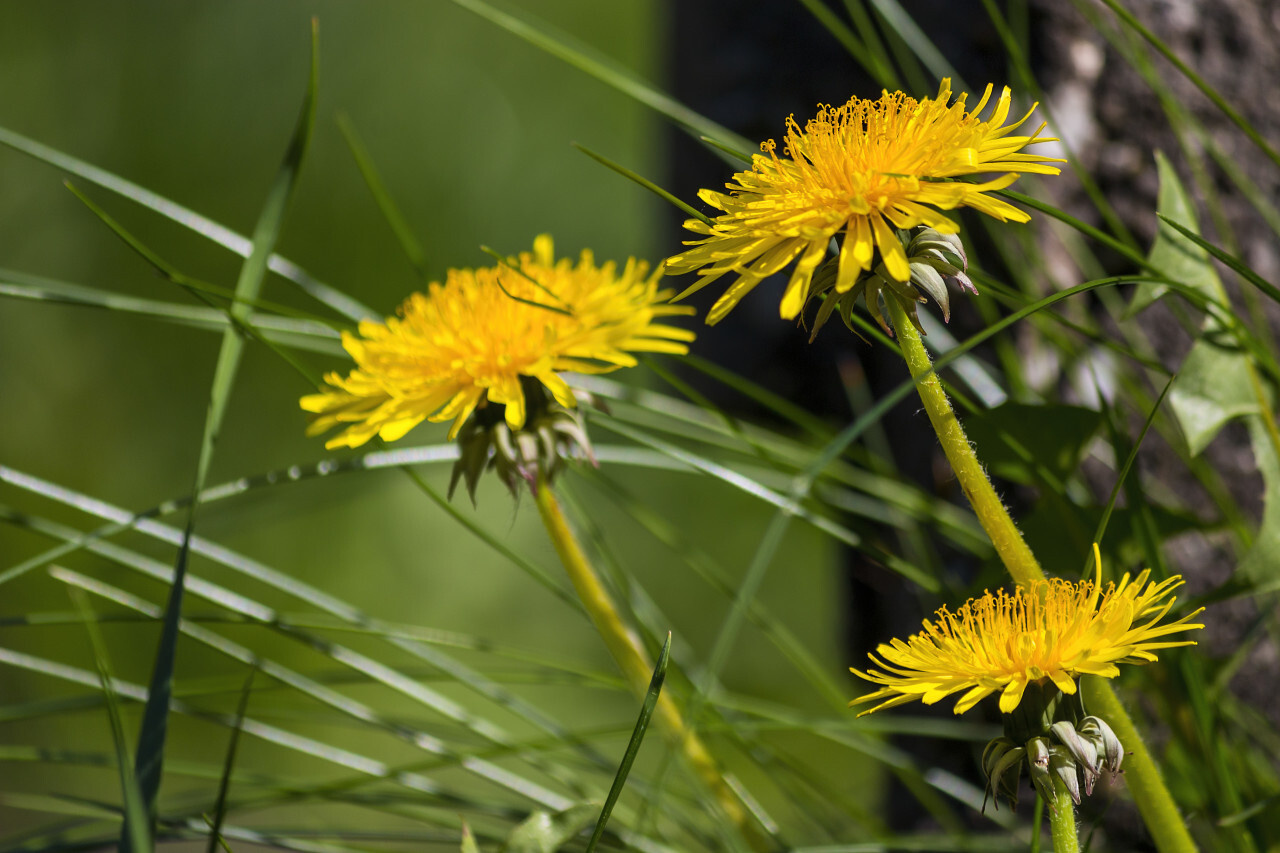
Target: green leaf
column 1261, row 565
column 1014, row 437
column 1213, row 387
column 543, row 832
column 469, row 844
column 1175, row 256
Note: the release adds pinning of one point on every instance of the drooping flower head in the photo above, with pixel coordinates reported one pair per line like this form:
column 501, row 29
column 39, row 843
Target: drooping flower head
column 470, row 341
column 1051, row 632
column 857, row 171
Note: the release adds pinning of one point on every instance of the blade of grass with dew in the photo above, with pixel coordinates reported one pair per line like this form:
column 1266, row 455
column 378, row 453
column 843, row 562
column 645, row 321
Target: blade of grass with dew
column 151, row 740
column 354, row 709
column 541, row 35
column 786, row 458
column 201, row 290
column 382, row 197
column 137, row 834
column 641, row 408
column 282, row 331
column 262, row 615
column 282, row 738
column 373, row 669
column 633, row 745
column 238, row 321
column 224, row 557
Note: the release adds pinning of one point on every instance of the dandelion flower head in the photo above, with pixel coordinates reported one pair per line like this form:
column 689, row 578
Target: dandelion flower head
column 469, row 342
column 859, row 171
column 1054, row 630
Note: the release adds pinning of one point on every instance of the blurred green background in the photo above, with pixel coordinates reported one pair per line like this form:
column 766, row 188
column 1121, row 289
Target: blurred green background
column 471, row 130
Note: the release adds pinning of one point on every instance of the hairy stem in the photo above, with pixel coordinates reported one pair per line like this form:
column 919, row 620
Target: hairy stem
column 992, row 515
column 629, row 654
column 1062, row 820
column 1142, row 775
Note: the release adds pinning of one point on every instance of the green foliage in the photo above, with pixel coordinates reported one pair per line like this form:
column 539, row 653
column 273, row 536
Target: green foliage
column 423, row 675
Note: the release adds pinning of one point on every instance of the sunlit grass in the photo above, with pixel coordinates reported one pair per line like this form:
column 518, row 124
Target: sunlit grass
column 363, row 664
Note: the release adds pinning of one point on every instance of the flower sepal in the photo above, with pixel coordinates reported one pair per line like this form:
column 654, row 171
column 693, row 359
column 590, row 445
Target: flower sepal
column 530, row 455
column 1050, row 730
column 937, row 262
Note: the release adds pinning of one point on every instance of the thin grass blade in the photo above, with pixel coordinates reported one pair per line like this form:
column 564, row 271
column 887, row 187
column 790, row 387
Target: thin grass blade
column 137, row 830
column 224, row 784
column 151, row 740
column 604, row 69
column 373, row 180
column 633, row 745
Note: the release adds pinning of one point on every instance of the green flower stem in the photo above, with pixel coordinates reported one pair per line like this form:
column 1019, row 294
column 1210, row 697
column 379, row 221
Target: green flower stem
column 630, row 656
column 1062, row 820
column 1140, row 772
column 1143, row 777
column 992, row 515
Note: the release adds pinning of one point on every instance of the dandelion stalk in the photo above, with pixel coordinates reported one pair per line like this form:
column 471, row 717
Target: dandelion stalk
column 631, row 658
column 992, row 515
column 1062, row 821
column 1142, row 775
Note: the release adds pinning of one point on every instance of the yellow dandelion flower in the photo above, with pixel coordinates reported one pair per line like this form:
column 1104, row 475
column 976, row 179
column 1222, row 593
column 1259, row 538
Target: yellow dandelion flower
column 1054, row 631
column 859, row 170
column 470, row 341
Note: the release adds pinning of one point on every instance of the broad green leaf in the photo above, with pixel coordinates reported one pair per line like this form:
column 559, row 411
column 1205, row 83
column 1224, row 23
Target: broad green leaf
column 1213, row 387
column 1173, row 254
column 1015, row 437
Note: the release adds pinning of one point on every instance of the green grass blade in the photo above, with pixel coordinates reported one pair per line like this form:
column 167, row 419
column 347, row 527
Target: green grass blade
column 885, row 74
column 1129, row 461
column 730, row 477
column 604, row 69
column 1187, row 71
column 872, row 61
column 205, row 227
column 224, row 784
column 1244, row 270
column 804, row 482
column 900, row 20
column 136, row 828
column 298, row 333
column 644, row 182
column 151, row 739
column 382, row 197
column 633, row 745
